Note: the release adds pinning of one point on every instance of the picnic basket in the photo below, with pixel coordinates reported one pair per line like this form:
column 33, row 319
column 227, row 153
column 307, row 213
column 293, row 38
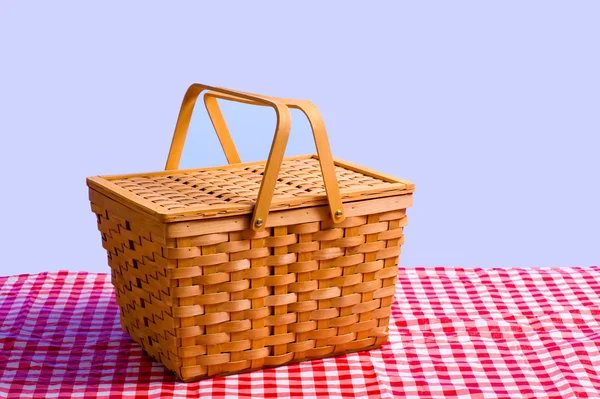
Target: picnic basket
column 234, row 268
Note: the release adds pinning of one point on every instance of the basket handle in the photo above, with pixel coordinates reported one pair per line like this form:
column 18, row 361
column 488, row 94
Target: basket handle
column 319, row 134
column 282, row 131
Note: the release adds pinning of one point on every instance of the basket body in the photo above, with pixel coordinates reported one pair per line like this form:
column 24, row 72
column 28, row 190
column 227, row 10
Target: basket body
column 229, row 269
column 210, row 297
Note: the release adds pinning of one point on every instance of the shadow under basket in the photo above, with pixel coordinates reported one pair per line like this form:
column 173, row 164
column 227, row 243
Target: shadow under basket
column 235, row 268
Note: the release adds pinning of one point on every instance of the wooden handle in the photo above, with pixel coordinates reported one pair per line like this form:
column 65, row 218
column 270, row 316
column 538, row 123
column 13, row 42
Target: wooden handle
column 276, row 155
column 319, row 134
column 185, row 115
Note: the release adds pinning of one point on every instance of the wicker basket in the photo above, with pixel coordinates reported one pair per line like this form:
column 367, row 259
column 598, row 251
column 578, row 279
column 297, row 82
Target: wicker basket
column 235, row 268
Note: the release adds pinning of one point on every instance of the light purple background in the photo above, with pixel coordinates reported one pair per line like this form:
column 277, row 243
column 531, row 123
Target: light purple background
column 491, row 108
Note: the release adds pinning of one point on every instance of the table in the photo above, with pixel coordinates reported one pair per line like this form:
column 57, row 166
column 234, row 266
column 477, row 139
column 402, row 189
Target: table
column 454, row 332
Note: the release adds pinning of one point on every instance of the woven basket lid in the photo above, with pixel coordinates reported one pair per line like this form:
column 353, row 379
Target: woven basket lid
column 179, row 195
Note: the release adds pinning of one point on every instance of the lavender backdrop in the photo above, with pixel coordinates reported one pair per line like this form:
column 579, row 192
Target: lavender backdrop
column 491, row 108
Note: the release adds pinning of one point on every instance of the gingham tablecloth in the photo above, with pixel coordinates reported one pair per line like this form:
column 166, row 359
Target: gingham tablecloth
column 468, row 333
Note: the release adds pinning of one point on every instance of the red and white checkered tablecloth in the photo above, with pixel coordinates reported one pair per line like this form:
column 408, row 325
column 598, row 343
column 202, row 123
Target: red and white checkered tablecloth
column 467, row 333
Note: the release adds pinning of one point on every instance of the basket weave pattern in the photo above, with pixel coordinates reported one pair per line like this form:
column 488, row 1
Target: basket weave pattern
column 228, row 302
column 297, row 178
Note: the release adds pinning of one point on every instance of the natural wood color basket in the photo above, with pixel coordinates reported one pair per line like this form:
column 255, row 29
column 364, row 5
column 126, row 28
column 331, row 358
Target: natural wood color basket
column 235, row 268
